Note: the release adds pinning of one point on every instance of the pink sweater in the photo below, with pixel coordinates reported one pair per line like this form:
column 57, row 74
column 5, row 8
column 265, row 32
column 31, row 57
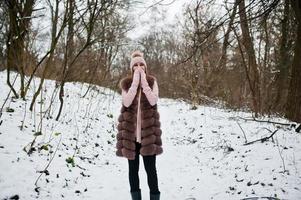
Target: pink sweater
column 151, row 95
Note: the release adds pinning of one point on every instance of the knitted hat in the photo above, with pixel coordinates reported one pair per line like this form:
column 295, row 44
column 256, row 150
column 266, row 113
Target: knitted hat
column 137, row 56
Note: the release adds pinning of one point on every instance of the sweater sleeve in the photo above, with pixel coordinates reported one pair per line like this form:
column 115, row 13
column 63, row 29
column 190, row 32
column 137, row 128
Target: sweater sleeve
column 152, row 95
column 128, row 96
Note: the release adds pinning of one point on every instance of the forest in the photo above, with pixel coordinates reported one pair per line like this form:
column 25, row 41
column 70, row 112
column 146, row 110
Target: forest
column 225, row 97
column 248, row 57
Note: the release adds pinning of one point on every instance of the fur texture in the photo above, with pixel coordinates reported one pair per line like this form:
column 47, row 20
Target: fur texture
column 151, row 143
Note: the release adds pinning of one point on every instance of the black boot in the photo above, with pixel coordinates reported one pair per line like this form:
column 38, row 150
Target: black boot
column 154, row 196
column 136, row 195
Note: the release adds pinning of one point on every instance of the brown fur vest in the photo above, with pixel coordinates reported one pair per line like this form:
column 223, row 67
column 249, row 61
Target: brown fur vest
column 151, row 143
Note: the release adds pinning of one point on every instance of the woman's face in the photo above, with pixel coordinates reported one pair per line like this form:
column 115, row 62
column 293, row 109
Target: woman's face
column 139, row 64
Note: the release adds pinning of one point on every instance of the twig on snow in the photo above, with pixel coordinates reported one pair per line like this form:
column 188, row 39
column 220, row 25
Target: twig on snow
column 263, row 139
column 36, row 182
column 281, row 156
column 267, row 121
column 242, row 132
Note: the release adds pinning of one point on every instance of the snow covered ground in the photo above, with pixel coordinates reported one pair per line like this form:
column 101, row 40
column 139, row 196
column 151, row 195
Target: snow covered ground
column 204, row 156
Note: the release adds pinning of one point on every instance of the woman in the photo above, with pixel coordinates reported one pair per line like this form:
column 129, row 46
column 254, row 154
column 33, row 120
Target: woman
column 139, row 126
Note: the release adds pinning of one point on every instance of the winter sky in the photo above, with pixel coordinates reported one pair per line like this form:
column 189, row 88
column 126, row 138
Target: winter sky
column 173, row 10
column 140, row 14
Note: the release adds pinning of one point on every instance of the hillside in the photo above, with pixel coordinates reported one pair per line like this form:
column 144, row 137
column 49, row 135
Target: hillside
column 204, row 156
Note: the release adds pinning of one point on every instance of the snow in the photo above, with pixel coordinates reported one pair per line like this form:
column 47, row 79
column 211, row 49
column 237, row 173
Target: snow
column 197, row 162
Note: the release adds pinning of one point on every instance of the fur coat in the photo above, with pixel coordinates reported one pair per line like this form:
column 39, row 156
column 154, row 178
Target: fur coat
column 151, row 143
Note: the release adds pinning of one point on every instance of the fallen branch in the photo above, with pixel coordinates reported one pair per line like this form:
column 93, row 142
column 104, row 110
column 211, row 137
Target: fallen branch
column 267, row 121
column 263, row 139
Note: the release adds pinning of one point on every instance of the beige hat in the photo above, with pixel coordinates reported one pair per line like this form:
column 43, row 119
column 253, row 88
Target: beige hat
column 137, row 56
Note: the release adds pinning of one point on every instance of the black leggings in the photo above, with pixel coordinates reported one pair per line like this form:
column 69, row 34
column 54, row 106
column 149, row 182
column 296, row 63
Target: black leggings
column 150, row 168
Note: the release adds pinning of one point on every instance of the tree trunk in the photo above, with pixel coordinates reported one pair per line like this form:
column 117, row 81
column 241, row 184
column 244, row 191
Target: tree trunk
column 9, row 64
column 293, row 110
column 19, row 21
column 252, row 69
column 220, row 69
column 54, row 40
column 68, row 56
column 281, row 77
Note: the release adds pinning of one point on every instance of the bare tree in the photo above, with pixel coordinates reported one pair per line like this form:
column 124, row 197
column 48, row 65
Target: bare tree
column 284, row 60
column 293, row 110
column 252, row 67
column 97, row 12
column 3, row 33
column 19, row 23
column 55, row 35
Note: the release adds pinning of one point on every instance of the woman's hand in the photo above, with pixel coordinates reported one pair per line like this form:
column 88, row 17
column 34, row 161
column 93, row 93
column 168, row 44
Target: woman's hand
column 144, row 82
column 136, row 78
column 138, row 68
